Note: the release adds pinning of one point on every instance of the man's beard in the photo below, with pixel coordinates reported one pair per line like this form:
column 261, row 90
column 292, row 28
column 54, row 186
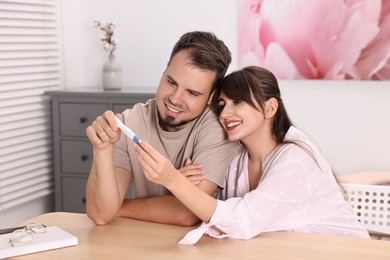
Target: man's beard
column 169, row 122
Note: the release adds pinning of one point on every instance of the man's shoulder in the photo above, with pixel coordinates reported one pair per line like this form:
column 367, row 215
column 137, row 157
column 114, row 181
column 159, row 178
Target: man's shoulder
column 147, row 105
column 141, row 108
column 141, row 116
column 207, row 117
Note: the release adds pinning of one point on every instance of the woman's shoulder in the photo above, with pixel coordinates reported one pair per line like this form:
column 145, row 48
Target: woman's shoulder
column 296, row 148
column 296, row 142
column 299, row 153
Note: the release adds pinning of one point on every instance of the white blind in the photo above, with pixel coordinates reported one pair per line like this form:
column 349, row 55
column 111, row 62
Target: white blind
column 30, row 64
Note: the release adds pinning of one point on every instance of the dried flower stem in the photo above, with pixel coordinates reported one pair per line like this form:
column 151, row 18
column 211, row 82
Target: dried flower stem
column 109, row 42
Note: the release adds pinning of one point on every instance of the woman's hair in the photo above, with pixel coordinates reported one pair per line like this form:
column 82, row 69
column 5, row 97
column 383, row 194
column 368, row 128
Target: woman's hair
column 205, row 51
column 259, row 84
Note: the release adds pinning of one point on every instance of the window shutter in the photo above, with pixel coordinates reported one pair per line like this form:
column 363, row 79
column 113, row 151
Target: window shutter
column 30, row 64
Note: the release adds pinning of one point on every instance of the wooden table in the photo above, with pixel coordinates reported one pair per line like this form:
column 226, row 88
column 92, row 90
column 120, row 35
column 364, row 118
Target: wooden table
column 127, row 238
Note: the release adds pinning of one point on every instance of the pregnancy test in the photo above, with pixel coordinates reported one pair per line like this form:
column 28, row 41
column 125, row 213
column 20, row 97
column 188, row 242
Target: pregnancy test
column 127, row 131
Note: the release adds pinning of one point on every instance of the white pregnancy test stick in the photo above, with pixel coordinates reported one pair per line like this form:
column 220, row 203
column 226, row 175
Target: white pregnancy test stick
column 127, row 131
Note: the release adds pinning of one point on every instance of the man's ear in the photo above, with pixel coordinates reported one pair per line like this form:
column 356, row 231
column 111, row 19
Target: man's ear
column 211, row 98
column 270, row 108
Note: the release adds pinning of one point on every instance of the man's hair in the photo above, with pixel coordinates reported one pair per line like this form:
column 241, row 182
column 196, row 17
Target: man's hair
column 205, row 51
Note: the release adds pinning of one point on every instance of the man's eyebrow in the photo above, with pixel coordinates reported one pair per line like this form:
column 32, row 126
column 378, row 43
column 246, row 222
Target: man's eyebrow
column 172, row 80
column 195, row 92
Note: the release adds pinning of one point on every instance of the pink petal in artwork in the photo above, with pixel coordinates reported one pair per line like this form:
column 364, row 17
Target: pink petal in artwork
column 316, row 39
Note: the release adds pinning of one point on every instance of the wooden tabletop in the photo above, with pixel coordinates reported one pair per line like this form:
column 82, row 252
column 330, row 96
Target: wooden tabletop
column 127, row 238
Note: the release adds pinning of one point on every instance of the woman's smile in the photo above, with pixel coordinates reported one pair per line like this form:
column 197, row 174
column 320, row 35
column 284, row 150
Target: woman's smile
column 231, row 125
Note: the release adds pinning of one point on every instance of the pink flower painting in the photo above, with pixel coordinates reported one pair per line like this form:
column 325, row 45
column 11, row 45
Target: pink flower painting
column 316, row 39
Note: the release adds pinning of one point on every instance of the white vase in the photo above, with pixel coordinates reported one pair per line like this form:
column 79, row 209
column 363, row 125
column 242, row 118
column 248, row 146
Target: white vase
column 112, row 74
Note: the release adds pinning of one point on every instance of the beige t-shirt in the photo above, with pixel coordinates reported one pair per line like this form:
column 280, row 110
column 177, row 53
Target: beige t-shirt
column 203, row 140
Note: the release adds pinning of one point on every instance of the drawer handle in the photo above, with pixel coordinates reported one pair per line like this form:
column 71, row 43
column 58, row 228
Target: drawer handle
column 83, row 119
column 84, row 200
column 84, row 157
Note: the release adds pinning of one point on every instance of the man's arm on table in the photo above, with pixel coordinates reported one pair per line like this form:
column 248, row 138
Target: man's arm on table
column 164, row 209
column 105, row 193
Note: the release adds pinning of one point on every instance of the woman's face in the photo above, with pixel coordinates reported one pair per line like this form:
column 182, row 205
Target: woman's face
column 240, row 120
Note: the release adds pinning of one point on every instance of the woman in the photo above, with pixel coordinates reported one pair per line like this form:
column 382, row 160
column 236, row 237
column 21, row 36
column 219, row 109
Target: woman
column 279, row 181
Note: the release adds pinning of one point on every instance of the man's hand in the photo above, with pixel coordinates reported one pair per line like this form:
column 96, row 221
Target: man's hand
column 193, row 172
column 104, row 131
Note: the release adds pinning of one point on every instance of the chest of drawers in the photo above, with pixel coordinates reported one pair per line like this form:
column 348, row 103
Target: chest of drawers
column 72, row 113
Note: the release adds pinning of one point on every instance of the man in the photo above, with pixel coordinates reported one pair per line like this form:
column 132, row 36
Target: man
column 178, row 123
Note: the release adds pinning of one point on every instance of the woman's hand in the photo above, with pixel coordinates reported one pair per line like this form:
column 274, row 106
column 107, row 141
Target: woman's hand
column 156, row 167
column 193, row 172
column 160, row 170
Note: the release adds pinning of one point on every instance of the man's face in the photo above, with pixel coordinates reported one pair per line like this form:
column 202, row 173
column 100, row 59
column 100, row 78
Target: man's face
column 183, row 93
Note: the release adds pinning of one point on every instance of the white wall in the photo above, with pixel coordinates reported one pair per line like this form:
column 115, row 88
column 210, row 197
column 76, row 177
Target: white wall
column 348, row 120
column 146, row 31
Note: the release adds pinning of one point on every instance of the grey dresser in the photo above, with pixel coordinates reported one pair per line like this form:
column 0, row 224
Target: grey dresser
column 72, row 113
